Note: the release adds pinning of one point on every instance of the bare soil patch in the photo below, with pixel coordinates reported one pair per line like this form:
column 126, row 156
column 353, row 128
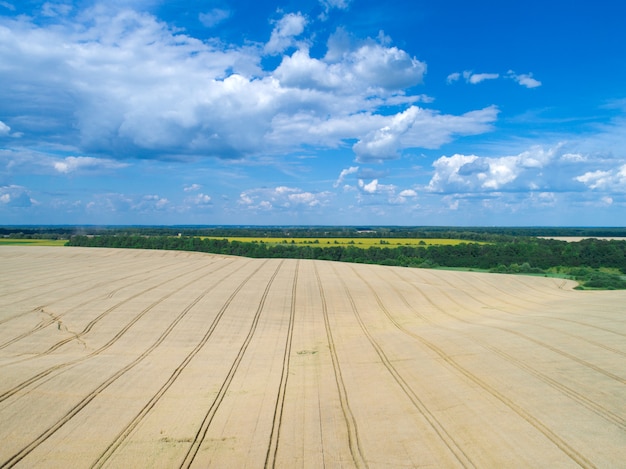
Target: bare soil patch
column 130, row 358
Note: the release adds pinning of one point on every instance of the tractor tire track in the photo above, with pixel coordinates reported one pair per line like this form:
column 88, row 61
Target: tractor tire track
column 130, row 427
column 272, row 449
column 590, row 404
column 447, row 439
column 64, row 281
column 522, row 318
column 522, row 299
column 97, row 285
column 105, row 313
column 57, row 318
column 24, row 452
column 61, row 366
column 353, row 431
column 577, row 457
column 208, row 418
column 556, row 350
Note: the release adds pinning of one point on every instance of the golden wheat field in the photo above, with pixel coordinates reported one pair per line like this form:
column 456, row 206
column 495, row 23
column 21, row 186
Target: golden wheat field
column 130, row 358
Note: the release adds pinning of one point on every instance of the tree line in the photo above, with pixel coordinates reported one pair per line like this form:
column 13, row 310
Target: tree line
column 488, row 234
column 522, row 255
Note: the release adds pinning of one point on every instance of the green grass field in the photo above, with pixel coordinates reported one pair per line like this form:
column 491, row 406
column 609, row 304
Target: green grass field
column 356, row 242
column 32, row 242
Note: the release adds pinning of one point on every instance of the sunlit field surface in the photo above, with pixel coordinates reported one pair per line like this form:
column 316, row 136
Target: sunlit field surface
column 357, row 242
column 32, row 242
column 132, row 358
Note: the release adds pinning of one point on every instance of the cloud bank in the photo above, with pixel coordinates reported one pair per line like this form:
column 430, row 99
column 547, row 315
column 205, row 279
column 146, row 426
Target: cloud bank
column 130, row 86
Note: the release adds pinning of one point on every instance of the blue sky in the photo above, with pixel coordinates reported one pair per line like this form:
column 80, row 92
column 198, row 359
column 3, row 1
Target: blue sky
column 313, row 112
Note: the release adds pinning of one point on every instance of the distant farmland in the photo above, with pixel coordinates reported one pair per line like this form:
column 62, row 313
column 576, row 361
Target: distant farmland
column 32, row 242
column 357, row 242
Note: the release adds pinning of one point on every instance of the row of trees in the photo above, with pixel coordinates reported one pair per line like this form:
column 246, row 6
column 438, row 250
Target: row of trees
column 489, row 234
column 532, row 253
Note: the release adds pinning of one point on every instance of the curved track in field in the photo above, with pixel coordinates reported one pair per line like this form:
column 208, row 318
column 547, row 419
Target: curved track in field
column 129, row 358
column 127, row 430
column 570, row 392
column 436, row 425
column 208, row 417
column 106, row 383
column 535, row 422
column 119, row 333
column 272, row 447
column 353, row 434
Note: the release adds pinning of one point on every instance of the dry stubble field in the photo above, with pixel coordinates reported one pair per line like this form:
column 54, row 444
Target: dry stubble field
column 129, row 358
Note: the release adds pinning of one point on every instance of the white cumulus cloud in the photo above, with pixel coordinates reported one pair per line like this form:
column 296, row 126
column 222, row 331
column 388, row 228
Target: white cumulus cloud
column 417, row 127
column 4, row 129
column 120, row 84
column 192, row 188
column 613, row 180
column 201, row 199
column 344, row 173
column 286, row 30
column 475, row 78
column 524, row 79
column 453, row 77
column 327, row 5
column 374, row 187
column 15, row 196
column 72, row 164
column 528, row 170
column 282, row 198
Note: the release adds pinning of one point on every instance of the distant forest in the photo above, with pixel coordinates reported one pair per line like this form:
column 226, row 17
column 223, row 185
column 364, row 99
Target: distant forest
column 595, row 263
column 537, row 252
column 467, row 233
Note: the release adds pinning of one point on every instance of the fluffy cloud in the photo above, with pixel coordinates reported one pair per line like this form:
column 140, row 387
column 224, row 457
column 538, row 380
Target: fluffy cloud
column 388, row 67
column 525, row 79
column 200, row 200
column 192, row 188
column 370, row 188
column 344, row 173
column 26, row 161
column 282, row 198
column 369, row 69
column 404, row 196
column 15, row 196
column 613, row 180
column 152, row 202
column 417, row 127
column 539, row 172
column 377, row 195
column 123, row 84
column 471, row 77
column 4, row 129
column 475, row 78
column 374, row 187
column 287, row 29
column 330, row 4
column 453, row 77
column 72, row 164
column 529, row 170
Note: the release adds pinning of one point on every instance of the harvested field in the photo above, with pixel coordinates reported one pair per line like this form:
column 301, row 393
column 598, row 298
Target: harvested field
column 130, row 358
